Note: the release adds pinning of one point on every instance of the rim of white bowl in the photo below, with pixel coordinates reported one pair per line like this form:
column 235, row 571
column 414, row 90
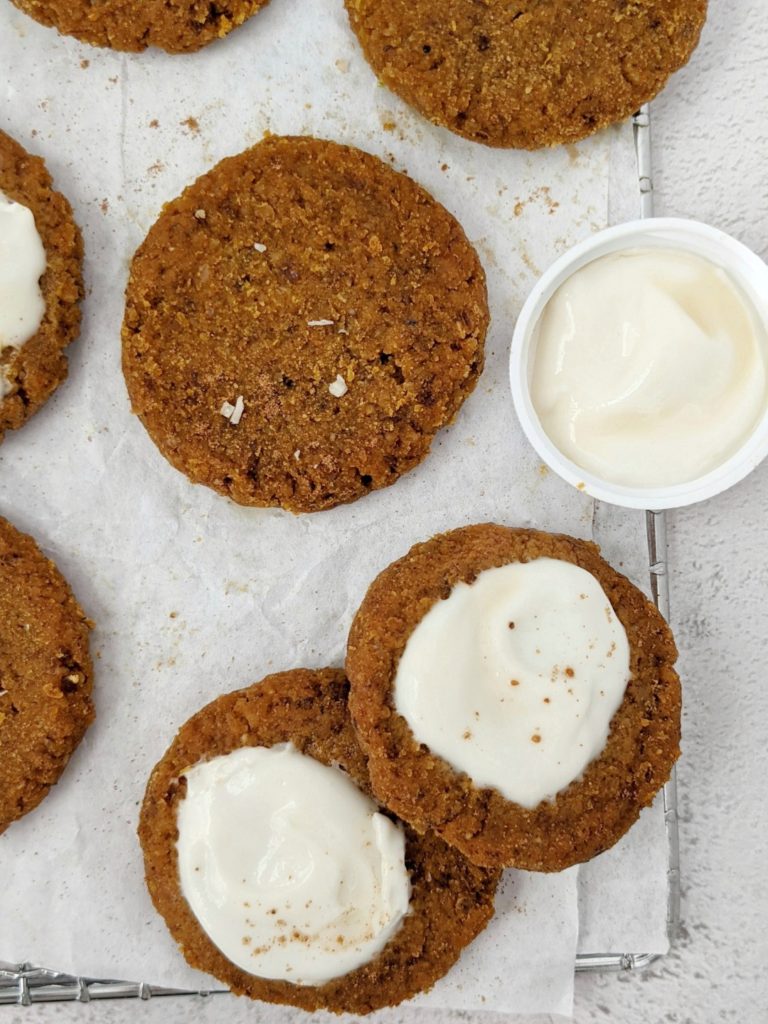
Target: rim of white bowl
column 745, row 267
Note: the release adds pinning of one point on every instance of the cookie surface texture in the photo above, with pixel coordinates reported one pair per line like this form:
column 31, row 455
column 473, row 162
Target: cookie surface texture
column 591, row 813
column 299, row 324
column 451, row 901
column 529, row 73
column 45, row 674
column 178, row 26
column 34, row 370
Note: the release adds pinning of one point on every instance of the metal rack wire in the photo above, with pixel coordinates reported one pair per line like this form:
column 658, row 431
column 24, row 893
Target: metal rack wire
column 656, row 534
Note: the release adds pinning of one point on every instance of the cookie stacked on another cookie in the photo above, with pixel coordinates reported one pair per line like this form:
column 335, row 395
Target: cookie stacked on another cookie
column 515, row 694
column 511, row 698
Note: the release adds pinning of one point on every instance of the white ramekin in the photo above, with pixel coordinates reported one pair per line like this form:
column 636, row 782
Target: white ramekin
column 745, row 267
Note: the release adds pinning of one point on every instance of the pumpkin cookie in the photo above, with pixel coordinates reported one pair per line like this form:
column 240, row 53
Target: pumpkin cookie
column 45, row 674
column 531, row 73
column 299, row 324
column 41, row 284
column 514, row 693
column 178, row 27
column 360, row 911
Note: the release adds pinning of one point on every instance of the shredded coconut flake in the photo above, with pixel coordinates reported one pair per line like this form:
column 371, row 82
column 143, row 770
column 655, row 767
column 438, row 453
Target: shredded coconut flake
column 319, row 323
column 234, row 419
column 297, row 454
column 233, row 412
column 259, row 247
column 200, row 214
column 338, row 387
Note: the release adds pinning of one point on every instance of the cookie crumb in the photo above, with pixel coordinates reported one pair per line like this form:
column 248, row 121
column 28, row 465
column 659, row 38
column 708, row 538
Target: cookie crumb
column 200, row 214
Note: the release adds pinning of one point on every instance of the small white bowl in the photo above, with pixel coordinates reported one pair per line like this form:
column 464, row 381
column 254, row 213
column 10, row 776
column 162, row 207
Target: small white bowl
column 744, row 266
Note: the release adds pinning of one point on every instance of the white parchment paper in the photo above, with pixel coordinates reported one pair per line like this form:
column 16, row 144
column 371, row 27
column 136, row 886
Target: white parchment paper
column 193, row 596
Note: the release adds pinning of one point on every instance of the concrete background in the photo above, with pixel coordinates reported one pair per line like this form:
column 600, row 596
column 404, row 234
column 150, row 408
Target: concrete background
column 710, row 133
column 710, row 155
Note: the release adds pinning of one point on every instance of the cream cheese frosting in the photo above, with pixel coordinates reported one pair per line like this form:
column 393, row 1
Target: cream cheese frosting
column 514, row 679
column 22, row 264
column 290, row 869
column 650, row 367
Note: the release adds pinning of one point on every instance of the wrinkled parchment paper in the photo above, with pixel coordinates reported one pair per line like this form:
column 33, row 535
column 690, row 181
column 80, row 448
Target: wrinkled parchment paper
column 193, row 596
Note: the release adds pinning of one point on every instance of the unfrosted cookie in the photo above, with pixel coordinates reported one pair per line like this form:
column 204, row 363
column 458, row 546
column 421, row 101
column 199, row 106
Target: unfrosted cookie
column 451, row 900
column 178, row 26
column 31, row 369
column 530, row 73
column 45, row 674
column 548, row 664
column 300, row 323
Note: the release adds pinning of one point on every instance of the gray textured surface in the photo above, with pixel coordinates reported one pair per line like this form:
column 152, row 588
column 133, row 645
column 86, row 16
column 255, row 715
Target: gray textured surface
column 710, row 160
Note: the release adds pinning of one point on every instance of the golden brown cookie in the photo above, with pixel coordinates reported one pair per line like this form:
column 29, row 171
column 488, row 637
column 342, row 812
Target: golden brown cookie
column 451, row 902
column 35, row 370
column 332, row 296
column 595, row 810
column 528, row 73
column 178, row 26
column 45, row 674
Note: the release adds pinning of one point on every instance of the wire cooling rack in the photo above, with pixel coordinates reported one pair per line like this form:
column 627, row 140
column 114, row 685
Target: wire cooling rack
column 25, row 984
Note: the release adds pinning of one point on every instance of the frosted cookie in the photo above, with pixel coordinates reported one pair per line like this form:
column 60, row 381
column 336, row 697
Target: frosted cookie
column 531, row 73
column 514, row 693
column 300, row 323
column 45, row 674
column 41, row 284
column 178, row 27
column 277, row 872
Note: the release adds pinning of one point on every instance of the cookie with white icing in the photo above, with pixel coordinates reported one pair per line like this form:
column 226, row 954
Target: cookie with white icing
column 276, row 870
column 41, row 284
column 514, row 693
